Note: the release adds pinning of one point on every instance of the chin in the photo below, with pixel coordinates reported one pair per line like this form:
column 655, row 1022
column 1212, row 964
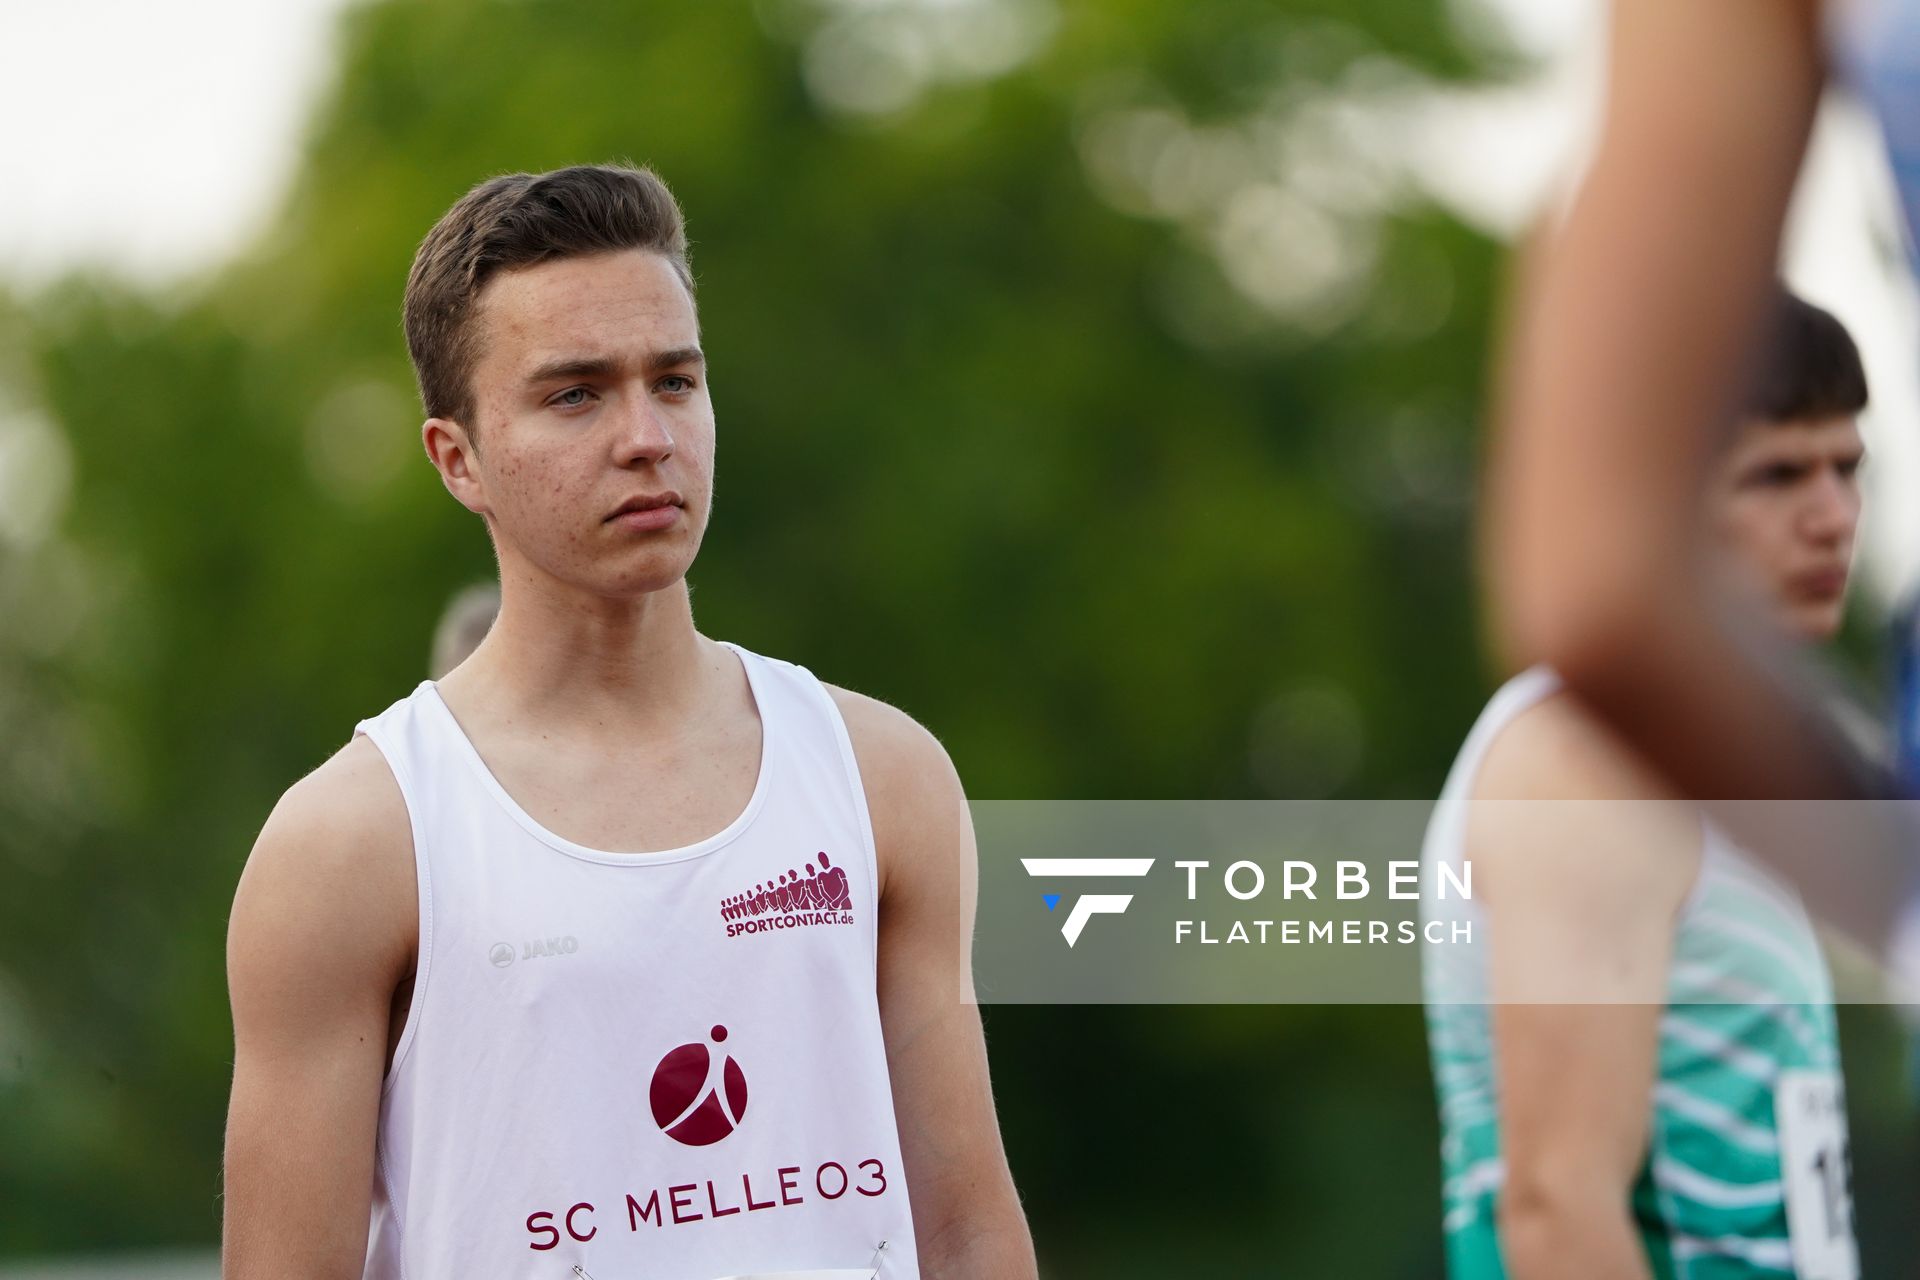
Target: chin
column 646, row 577
column 1815, row 624
column 632, row 585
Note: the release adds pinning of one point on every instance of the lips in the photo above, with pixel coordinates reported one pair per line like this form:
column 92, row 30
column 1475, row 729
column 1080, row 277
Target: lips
column 651, row 502
column 1820, row 584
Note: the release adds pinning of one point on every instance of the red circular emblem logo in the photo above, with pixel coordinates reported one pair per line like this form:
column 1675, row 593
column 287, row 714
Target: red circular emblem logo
column 698, row 1095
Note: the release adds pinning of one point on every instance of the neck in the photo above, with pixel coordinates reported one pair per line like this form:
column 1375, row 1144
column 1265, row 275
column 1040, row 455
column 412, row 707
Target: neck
column 562, row 654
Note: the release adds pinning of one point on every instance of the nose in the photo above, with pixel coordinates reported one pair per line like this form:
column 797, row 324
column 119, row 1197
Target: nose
column 1832, row 511
column 644, row 438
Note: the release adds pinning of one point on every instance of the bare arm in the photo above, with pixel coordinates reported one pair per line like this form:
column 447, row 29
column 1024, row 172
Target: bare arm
column 322, row 933
column 1633, row 326
column 1582, row 875
column 1633, row 322
column 966, row 1213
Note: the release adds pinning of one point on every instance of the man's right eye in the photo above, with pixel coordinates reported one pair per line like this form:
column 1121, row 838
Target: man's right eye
column 571, row 398
column 1778, row 474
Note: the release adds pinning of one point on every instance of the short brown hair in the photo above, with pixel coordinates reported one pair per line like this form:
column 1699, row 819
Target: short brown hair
column 519, row 220
column 1806, row 366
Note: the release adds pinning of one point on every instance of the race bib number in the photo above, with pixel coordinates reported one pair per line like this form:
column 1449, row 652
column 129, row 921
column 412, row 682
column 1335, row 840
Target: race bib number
column 1810, row 1110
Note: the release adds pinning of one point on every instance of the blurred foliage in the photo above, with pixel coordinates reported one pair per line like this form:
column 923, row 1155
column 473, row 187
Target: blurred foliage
column 1095, row 382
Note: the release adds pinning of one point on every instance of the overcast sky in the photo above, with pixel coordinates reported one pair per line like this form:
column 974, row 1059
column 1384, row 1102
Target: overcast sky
column 150, row 136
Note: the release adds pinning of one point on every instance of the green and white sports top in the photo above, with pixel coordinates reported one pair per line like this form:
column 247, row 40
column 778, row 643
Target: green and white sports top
column 1745, row 1170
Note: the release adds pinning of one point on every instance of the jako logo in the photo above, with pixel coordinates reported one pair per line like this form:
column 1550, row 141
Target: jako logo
column 698, row 1096
column 1088, row 905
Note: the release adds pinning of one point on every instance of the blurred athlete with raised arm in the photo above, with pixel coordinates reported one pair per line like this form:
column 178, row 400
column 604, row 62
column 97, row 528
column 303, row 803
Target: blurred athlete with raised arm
column 490, row 1019
column 1636, row 1061
column 1634, row 322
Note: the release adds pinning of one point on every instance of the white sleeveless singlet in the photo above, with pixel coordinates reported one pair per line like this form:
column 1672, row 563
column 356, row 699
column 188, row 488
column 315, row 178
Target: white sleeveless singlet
column 652, row 1066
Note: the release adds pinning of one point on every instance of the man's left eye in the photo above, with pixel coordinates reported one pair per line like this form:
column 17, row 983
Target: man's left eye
column 676, row 384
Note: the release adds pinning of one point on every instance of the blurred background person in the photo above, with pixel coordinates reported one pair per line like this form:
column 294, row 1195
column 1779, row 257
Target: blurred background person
column 1638, row 1061
column 468, row 617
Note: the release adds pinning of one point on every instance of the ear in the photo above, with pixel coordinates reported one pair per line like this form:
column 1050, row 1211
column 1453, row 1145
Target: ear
column 453, row 455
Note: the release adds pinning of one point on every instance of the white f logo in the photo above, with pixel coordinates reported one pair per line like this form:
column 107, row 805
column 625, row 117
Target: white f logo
column 1088, row 905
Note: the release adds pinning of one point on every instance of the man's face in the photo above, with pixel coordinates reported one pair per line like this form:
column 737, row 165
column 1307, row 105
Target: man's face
column 590, row 393
column 1784, row 504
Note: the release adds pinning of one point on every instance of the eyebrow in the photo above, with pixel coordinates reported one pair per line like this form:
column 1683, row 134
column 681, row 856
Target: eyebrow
column 604, row 366
column 674, row 358
column 1801, row 459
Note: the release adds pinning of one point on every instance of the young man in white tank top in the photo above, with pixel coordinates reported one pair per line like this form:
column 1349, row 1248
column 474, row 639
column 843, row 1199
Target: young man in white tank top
column 493, row 1015
column 1618, row 1056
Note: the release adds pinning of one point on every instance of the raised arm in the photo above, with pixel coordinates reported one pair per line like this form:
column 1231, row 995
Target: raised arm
column 1632, row 332
column 321, row 937
column 966, row 1214
column 1633, row 323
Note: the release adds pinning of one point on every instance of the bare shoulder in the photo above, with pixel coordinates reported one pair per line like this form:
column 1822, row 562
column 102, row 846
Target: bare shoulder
column 914, row 795
column 899, row 758
column 336, row 850
column 1557, row 750
column 1563, row 811
column 345, row 819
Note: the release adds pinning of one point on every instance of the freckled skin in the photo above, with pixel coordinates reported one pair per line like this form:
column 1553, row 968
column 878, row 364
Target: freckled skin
column 554, row 460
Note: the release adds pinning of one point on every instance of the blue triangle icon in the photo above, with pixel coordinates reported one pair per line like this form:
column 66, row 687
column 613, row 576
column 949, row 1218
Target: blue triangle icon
column 1051, row 899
